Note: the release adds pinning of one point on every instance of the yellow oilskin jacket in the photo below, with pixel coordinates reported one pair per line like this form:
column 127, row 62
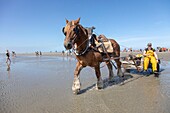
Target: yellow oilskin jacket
column 150, row 52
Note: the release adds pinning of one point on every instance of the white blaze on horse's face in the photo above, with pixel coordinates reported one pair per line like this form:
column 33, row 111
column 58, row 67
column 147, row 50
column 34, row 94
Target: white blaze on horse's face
column 70, row 31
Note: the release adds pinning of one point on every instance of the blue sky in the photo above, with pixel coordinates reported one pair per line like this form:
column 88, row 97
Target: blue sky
column 34, row 25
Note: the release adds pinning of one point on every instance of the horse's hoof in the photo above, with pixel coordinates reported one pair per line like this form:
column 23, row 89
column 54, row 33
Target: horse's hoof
column 76, row 86
column 76, row 91
column 99, row 88
column 120, row 73
column 99, row 84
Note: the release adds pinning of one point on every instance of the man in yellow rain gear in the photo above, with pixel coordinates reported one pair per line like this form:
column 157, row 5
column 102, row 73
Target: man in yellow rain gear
column 150, row 56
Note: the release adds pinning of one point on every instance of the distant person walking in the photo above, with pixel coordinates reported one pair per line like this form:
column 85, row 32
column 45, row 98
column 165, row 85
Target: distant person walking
column 63, row 52
column 8, row 56
column 40, row 53
column 13, row 54
column 37, row 53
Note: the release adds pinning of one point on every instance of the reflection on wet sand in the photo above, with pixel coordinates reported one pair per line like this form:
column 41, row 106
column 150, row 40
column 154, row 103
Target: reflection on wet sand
column 8, row 69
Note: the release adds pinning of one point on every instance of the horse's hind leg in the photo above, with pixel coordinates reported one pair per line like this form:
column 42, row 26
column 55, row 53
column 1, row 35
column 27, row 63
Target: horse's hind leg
column 119, row 71
column 99, row 79
column 111, row 74
column 76, row 83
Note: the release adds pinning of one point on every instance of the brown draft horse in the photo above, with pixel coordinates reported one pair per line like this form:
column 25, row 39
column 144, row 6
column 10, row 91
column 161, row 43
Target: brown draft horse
column 76, row 37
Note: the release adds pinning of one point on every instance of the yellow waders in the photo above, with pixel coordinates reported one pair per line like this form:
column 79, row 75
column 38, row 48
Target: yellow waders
column 152, row 60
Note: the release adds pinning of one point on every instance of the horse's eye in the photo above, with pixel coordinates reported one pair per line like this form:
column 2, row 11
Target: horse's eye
column 63, row 31
column 76, row 29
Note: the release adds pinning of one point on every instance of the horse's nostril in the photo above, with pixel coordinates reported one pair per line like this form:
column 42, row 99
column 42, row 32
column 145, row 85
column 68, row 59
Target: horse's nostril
column 69, row 45
column 65, row 46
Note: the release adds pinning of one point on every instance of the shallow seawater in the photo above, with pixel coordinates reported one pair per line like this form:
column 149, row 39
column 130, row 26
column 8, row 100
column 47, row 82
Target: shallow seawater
column 165, row 78
column 34, row 84
column 30, row 81
column 43, row 84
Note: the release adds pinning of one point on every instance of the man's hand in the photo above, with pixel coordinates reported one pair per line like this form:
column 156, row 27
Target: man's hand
column 157, row 60
column 146, row 55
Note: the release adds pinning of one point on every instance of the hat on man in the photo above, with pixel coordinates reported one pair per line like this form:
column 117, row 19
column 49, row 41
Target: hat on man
column 149, row 44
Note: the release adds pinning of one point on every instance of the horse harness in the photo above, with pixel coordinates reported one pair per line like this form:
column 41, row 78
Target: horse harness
column 89, row 41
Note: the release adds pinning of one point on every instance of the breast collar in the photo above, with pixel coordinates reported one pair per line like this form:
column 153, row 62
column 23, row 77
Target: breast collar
column 83, row 52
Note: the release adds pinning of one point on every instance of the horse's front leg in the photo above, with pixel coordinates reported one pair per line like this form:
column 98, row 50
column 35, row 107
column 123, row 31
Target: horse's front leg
column 99, row 78
column 76, row 82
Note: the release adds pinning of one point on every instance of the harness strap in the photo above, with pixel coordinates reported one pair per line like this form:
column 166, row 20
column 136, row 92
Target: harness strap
column 78, row 54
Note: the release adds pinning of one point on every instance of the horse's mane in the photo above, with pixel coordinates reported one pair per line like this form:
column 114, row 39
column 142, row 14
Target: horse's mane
column 83, row 29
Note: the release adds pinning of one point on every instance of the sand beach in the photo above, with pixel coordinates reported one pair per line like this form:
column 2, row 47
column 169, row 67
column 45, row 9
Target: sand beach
column 42, row 84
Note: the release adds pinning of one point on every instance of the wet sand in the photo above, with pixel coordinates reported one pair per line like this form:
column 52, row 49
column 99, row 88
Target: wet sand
column 43, row 85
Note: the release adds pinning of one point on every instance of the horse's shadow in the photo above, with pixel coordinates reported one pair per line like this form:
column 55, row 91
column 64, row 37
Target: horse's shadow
column 106, row 83
column 87, row 89
column 118, row 80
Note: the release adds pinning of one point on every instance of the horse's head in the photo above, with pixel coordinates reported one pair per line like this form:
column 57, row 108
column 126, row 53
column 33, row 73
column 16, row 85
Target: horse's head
column 71, row 32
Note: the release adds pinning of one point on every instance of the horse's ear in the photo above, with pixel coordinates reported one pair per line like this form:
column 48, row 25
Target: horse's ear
column 77, row 21
column 67, row 21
